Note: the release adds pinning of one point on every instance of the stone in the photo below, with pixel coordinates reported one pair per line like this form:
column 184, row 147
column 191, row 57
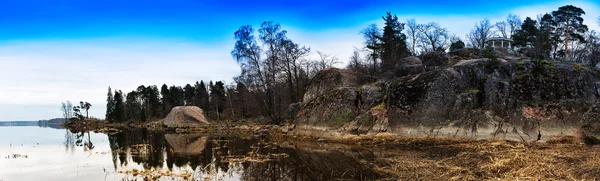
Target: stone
column 409, row 66
column 185, row 116
column 332, row 78
column 435, row 59
column 598, row 88
column 597, row 67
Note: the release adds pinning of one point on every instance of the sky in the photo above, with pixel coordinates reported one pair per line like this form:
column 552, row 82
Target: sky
column 59, row 50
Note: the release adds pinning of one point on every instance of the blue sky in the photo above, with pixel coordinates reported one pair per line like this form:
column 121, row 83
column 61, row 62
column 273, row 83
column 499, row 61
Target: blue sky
column 52, row 51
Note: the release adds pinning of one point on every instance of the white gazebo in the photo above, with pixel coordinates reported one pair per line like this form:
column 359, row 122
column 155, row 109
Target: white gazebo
column 499, row 42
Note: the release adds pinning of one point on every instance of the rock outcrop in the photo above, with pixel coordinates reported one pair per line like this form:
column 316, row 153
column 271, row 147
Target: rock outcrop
column 461, row 95
column 481, row 97
column 409, row 66
column 434, row 60
column 185, row 116
column 343, row 104
column 332, row 78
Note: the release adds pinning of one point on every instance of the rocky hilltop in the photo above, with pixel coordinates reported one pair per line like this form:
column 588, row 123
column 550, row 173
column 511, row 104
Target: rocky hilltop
column 439, row 96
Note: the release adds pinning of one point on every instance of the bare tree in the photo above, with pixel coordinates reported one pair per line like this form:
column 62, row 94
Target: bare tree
column 480, row 33
column 66, row 109
column 372, row 42
column 290, row 54
column 433, row 36
column 514, row 23
column 326, row 60
column 413, row 32
column 502, row 27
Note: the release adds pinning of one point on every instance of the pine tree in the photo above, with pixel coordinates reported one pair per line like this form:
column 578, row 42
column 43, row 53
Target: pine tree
column 570, row 25
column 119, row 107
column 166, row 100
column 110, row 105
column 393, row 42
column 527, row 34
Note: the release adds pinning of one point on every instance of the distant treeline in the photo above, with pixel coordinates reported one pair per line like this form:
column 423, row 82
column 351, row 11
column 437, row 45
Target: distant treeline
column 54, row 123
column 148, row 102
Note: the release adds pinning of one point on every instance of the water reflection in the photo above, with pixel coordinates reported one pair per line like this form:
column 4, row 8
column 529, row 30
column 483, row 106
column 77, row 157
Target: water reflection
column 81, row 139
column 228, row 157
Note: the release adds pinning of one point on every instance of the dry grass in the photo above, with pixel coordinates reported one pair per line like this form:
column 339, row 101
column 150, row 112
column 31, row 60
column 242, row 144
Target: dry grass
column 564, row 158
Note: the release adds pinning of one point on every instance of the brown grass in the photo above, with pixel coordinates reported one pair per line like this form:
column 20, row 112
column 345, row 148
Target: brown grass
column 564, row 158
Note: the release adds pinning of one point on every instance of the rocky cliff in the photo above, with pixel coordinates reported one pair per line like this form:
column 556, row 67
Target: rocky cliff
column 487, row 98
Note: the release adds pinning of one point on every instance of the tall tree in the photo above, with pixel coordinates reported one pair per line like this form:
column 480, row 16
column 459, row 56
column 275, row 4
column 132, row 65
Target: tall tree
column 569, row 25
column 546, row 39
column 503, row 28
column 326, row 60
column 434, row 36
column 167, row 102
column 393, row 42
column 66, row 110
column 514, row 24
column 526, row 35
column 119, row 107
column 85, row 105
column 480, row 33
column 133, row 108
column 290, row 54
column 203, row 96
column 372, row 44
column 110, row 104
column 189, row 92
column 413, row 31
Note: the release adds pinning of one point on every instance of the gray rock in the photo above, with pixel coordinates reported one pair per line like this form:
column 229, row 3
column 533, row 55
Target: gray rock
column 431, row 60
column 409, row 66
column 598, row 88
column 597, row 67
column 332, row 78
column 185, row 116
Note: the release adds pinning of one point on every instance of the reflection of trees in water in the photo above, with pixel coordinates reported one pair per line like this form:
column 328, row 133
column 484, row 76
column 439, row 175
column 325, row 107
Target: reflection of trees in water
column 73, row 140
column 207, row 156
column 306, row 164
column 69, row 141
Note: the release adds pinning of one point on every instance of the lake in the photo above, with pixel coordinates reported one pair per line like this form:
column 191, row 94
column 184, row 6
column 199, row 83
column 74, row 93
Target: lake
column 36, row 153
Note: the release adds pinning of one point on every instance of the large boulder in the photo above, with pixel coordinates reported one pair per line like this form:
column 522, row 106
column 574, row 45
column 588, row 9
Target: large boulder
column 332, row 78
column 431, row 60
column 465, row 53
column 185, row 116
column 409, row 66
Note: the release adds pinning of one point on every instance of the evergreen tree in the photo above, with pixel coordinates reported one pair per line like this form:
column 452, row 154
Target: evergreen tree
column 166, row 100
column 569, row 25
column 527, row 34
column 110, row 105
column 545, row 38
column 133, row 108
column 176, row 96
column 203, row 96
column 457, row 45
column 119, row 107
column 393, row 42
column 189, row 93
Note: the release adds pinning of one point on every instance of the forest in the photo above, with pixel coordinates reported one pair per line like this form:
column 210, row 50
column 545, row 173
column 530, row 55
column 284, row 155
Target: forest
column 276, row 70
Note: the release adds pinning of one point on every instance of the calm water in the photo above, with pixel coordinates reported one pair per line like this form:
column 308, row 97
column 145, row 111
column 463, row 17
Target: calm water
column 57, row 154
